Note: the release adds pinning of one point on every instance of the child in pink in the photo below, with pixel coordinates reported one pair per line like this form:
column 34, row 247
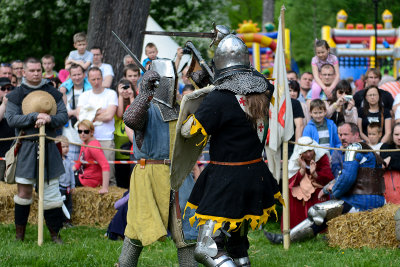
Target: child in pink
column 92, row 175
column 322, row 57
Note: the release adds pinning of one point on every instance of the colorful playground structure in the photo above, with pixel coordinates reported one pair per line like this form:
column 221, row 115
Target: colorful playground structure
column 262, row 46
column 355, row 45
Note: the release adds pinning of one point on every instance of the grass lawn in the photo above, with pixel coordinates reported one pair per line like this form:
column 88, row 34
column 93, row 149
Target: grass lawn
column 84, row 246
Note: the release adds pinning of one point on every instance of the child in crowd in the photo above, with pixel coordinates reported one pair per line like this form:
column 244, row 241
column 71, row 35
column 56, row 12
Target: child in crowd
column 79, row 56
column 151, row 53
column 132, row 74
column 48, row 64
column 67, row 180
column 374, row 135
column 323, row 56
column 319, row 128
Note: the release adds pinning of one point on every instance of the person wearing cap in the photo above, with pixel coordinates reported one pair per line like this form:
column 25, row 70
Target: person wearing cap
column 31, row 105
column 5, row 129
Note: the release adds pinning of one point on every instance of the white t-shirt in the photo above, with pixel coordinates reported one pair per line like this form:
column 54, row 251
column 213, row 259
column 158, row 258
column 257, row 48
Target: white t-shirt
column 108, row 97
column 397, row 101
column 69, row 131
column 106, row 70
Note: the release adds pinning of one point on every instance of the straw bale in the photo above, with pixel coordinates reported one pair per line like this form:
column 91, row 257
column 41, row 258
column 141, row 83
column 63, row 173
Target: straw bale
column 375, row 228
column 89, row 207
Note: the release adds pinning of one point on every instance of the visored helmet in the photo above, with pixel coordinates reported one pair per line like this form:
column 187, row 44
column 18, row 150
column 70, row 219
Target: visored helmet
column 165, row 93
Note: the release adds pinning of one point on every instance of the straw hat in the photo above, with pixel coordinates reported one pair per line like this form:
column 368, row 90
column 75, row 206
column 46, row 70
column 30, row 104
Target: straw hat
column 39, row 101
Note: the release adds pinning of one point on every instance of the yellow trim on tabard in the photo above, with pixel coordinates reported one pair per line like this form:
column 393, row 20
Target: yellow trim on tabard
column 279, row 197
column 255, row 220
column 172, row 135
column 197, row 127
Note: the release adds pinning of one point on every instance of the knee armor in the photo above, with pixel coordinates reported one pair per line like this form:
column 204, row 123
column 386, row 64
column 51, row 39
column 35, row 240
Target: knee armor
column 325, row 211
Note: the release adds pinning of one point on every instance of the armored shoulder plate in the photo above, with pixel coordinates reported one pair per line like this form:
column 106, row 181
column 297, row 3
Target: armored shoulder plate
column 350, row 154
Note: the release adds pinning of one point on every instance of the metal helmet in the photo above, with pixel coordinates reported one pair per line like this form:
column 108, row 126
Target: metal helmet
column 231, row 56
column 165, row 93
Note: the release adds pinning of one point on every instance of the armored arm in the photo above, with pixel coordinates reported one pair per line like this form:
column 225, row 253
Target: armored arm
column 136, row 115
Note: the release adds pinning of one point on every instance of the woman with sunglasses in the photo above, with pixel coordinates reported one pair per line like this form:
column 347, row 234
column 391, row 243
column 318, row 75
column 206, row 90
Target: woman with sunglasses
column 92, row 175
column 342, row 106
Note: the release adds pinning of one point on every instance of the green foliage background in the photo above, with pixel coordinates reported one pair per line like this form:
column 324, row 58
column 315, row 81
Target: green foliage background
column 38, row 27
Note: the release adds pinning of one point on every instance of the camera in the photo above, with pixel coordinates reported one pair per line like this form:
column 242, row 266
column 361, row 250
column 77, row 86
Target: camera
column 125, row 86
column 187, row 51
column 348, row 97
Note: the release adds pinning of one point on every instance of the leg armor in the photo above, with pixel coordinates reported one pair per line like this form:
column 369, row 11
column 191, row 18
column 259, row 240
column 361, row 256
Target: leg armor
column 318, row 214
column 130, row 253
column 242, row 262
column 206, row 251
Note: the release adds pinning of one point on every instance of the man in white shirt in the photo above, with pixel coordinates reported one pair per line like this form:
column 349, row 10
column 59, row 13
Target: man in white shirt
column 105, row 101
column 106, row 69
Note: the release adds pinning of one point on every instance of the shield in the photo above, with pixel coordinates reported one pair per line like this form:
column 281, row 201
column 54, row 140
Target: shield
column 186, row 151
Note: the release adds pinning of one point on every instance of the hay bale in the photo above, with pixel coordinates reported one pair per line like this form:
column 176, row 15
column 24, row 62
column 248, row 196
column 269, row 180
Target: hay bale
column 89, row 208
column 375, row 228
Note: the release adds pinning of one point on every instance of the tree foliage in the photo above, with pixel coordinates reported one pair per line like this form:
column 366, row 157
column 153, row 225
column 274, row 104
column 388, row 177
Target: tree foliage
column 35, row 28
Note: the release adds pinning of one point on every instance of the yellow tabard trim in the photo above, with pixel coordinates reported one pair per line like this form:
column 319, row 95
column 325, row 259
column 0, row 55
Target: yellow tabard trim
column 197, row 127
column 148, row 204
column 279, row 197
column 255, row 220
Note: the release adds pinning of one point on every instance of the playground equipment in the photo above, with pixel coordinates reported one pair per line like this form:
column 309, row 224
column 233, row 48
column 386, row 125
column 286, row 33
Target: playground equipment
column 262, row 46
column 355, row 45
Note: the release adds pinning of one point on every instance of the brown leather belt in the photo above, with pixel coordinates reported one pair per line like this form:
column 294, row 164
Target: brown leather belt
column 236, row 163
column 143, row 162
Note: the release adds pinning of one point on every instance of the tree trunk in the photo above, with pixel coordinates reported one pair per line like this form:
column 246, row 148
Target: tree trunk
column 268, row 12
column 127, row 19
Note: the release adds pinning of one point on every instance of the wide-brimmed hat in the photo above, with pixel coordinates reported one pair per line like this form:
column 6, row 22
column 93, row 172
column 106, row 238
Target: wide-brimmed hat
column 39, row 101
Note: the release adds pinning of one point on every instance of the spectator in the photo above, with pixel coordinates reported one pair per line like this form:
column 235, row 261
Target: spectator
column 292, row 75
column 132, row 74
column 48, row 64
column 359, row 83
column 106, row 69
column 392, row 172
column 71, row 89
column 294, row 90
column 6, row 71
column 341, row 108
column 80, row 56
column 309, row 172
column 386, row 77
column 67, row 180
column 126, row 95
column 151, row 53
column 92, row 175
column 128, row 60
column 187, row 89
column 17, row 67
column 5, row 129
column 105, row 102
column 374, row 135
column 305, row 85
column 319, row 128
column 373, row 111
column 14, row 80
column 323, row 57
column 327, row 76
column 373, row 76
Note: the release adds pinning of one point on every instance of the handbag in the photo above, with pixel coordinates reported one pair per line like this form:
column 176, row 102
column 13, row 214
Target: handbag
column 11, row 161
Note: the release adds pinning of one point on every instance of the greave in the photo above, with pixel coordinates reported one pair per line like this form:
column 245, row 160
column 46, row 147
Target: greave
column 186, row 257
column 130, row 253
column 242, row 262
column 302, row 231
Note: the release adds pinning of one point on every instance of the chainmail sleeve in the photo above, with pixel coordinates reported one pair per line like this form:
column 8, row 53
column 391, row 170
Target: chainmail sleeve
column 136, row 115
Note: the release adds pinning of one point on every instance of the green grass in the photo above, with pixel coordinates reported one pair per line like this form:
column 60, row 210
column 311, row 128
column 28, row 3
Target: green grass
column 84, row 246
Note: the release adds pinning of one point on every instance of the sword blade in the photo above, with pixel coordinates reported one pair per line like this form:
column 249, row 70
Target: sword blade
column 138, row 64
column 182, row 34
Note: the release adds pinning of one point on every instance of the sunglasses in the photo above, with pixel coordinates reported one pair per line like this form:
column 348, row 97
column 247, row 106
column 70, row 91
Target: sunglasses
column 83, row 131
column 9, row 88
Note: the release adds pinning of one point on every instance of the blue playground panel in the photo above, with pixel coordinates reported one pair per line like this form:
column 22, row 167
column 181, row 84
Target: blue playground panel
column 352, row 67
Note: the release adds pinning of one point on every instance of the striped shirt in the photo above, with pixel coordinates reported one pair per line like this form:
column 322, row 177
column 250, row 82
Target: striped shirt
column 323, row 133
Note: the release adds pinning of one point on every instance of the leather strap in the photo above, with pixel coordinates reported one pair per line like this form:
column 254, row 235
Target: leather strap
column 143, row 162
column 236, row 163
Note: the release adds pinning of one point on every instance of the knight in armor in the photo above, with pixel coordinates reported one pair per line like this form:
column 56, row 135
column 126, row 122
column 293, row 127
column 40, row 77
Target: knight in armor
column 153, row 207
column 236, row 190
column 359, row 187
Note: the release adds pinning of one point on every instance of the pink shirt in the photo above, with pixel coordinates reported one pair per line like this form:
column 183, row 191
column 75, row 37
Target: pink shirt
column 92, row 173
column 331, row 59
